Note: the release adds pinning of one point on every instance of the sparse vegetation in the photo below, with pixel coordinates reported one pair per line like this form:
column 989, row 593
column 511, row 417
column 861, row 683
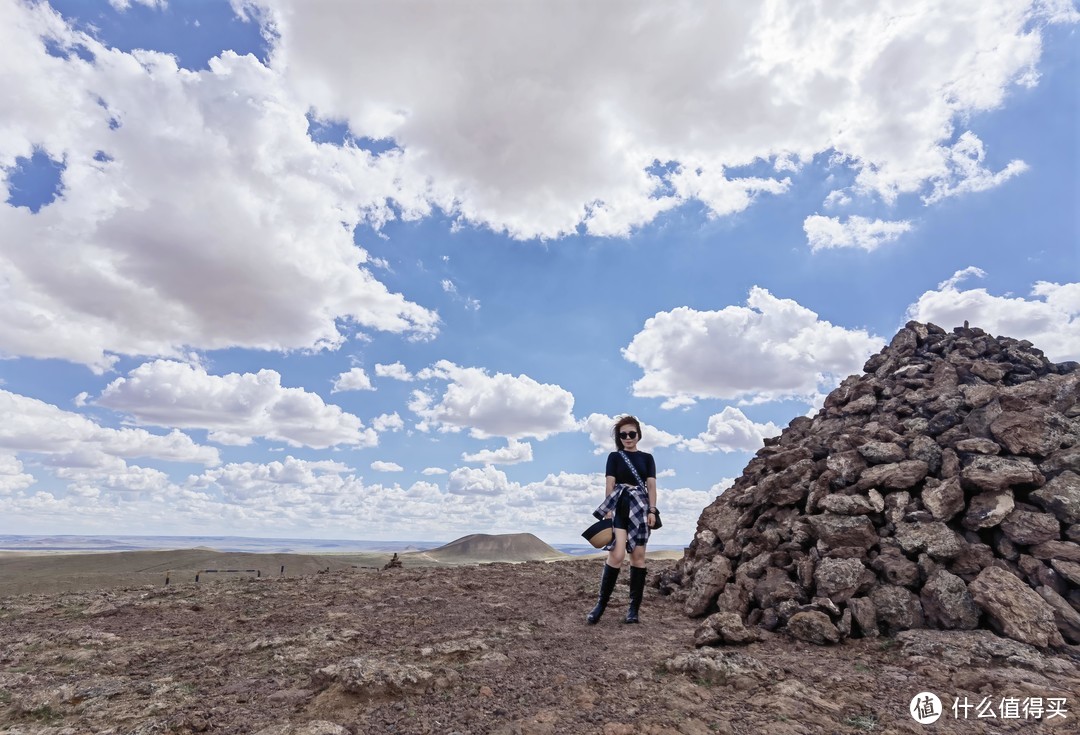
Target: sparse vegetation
column 867, row 722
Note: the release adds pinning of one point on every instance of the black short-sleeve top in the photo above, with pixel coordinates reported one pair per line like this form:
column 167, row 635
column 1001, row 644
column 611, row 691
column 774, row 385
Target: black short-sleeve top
column 643, row 461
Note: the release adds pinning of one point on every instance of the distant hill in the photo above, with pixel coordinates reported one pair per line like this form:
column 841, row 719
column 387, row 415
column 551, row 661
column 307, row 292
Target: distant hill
column 481, row 547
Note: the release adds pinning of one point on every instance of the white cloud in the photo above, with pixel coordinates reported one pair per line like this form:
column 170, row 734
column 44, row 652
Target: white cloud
column 537, row 138
column 123, row 5
column 731, row 431
column 514, row 452
column 12, row 477
column 355, row 379
column 665, row 473
column 388, row 422
column 477, row 481
column 503, row 405
column 598, row 426
column 195, row 212
column 857, row 232
column 966, row 172
column 395, row 370
column 769, row 349
column 380, row 466
column 37, row 427
column 235, row 408
column 1050, row 319
column 433, row 471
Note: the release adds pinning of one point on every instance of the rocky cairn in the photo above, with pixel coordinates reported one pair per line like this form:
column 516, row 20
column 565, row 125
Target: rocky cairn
column 940, row 489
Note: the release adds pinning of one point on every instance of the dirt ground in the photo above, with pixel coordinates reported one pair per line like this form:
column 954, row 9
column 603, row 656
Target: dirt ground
column 495, row 648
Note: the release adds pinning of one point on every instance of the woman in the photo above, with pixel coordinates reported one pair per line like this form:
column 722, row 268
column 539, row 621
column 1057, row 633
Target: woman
column 634, row 509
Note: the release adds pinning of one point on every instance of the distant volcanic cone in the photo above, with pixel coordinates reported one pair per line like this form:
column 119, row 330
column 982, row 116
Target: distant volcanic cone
column 940, row 489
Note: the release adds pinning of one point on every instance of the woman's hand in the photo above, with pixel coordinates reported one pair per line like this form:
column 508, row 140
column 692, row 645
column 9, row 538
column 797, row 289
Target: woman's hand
column 651, row 518
column 609, row 516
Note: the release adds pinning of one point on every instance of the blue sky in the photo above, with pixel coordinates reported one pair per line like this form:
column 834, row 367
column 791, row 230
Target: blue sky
column 389, row 270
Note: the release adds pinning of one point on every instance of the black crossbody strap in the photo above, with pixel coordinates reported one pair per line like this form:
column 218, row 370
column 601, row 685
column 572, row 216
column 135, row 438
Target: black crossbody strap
column 632, row 469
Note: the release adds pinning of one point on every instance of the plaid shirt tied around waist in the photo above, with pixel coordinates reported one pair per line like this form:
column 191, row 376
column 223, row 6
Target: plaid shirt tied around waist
column 638, row 533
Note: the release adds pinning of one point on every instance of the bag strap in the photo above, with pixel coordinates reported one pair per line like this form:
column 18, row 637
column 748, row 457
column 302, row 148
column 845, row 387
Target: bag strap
column 632, row 469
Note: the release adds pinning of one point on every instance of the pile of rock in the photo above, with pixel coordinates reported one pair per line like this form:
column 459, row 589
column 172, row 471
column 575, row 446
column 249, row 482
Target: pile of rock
column 940, row 489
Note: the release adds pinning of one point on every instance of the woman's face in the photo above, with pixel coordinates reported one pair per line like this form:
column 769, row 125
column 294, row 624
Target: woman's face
column 628, row 437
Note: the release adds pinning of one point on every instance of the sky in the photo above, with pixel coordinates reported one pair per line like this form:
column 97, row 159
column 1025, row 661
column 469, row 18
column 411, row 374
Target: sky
column 388, row 270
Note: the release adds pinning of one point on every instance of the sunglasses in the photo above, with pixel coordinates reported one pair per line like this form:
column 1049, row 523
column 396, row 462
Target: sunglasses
column 628, row 435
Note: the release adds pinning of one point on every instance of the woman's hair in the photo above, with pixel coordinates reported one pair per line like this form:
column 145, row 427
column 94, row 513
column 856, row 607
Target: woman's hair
column 621, row 422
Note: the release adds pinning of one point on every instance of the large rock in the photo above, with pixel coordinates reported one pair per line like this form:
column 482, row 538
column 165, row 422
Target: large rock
column 1066, row 617
column 708, row 582
column 895, row 476
column 897, row 608
column 813, row 627
column 943, row 499
column 935, row 538
column 1014, row 609
column 947, row 602
column 1035, row 431
column 837, row 530
column 1061, row 496
column 1027, row 528
column 997, row 474
column 986, row 510
column 841, row 579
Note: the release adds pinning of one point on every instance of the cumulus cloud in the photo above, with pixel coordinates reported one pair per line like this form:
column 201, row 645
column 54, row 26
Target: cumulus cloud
column 731, row 431
column 513, row 453
column 856, row 232
column 967, row 174
column 195, row 211
column 355, row 379
column 598, row 426
column 433, row 471
column 536, row 123
column 235, row 408
column 388, row 422
column 12, row 477
column 380, row 466
column 501, row 405
column 395, row 370
column 41, row 428
column 1050, row 319
column 477, row 481
column 770, row 349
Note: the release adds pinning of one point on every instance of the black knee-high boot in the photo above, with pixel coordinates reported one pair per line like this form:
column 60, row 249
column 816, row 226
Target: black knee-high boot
column 637, row 591
column 607, row 586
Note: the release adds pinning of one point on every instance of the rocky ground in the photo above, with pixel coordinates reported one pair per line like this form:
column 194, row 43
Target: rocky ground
column 495, row 648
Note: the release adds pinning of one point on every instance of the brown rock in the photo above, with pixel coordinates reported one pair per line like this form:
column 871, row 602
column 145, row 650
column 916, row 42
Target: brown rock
column 943, row 499
column 813, row 627
column 1023, row 527
column 935, row 538
column 1060, row 550
column 1014, row 609
column 841, row 579
column 1061, row 496
column 1067, row 619
column 978, row 445
column 1035, row 431
column 724, row 627
column 948, row 604
column 894, row 476
column 897, row 608
column 1068, row 569
column 848, row 505
column 837, row 530
column 865, row 616
column 988, row 509
column 997, row 474
column 896, row 569
column 882, row 452
column 707, row 584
